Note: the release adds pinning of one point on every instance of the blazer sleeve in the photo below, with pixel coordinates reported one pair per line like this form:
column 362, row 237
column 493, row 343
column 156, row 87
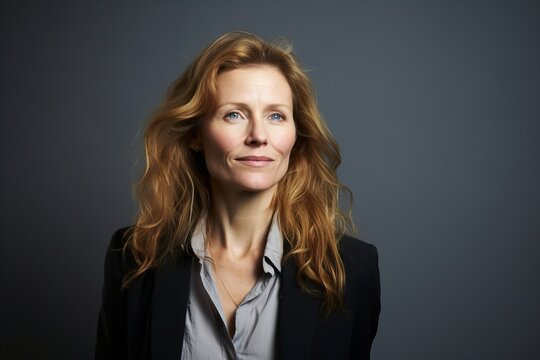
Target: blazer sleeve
column 366, row 318
column 111, row 330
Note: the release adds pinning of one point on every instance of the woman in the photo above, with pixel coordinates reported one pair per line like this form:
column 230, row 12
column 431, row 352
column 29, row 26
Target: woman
column 239, row 248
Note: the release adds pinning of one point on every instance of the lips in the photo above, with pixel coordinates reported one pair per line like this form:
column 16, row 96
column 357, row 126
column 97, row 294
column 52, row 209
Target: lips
column 255, row 161
column 255, row 158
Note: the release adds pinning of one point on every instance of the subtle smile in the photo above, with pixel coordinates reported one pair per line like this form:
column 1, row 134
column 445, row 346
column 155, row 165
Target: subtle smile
column 255, row 161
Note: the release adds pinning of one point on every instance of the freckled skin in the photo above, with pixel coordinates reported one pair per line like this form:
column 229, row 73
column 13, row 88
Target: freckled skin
column 253, row 117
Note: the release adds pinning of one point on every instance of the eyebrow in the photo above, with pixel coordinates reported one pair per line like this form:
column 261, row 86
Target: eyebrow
column 246, row 106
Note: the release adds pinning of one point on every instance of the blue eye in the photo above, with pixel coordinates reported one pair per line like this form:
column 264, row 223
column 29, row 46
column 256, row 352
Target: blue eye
column 233, row 115
column 276, row 116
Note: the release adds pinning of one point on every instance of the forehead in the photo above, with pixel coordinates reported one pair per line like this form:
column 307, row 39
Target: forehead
column 253, row 82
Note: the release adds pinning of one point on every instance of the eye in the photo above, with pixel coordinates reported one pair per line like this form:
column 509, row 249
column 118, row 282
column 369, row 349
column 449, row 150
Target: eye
column 233, row 115
column 277, row 117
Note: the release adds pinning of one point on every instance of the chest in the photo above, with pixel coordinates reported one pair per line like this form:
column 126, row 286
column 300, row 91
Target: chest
column 207, row 331
column 157, row 309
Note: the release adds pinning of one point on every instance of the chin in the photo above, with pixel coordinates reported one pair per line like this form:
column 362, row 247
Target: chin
column 246, row 182
column 255, row 185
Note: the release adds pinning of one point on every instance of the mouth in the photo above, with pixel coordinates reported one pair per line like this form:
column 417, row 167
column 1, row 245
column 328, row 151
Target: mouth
column 255, row 161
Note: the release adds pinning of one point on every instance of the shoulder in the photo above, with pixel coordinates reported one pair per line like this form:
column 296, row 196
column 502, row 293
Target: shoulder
column 362, row 292
column 361, row 259
column 120, row 237
column 118, row 260
column 356, row 251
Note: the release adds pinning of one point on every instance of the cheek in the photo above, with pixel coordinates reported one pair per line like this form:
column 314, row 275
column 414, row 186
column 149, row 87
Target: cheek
column 218, row 142
column 285, row 143
column 218, row 145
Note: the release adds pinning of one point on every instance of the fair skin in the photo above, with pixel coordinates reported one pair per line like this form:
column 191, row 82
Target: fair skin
column 246, row 143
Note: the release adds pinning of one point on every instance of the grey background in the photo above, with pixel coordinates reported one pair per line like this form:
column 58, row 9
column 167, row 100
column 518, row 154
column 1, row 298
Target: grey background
column 435, row 105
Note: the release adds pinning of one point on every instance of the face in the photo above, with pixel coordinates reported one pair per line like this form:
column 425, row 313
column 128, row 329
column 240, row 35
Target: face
column 247, row 140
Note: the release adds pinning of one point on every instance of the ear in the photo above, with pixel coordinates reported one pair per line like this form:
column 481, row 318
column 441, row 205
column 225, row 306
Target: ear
column 195, row 144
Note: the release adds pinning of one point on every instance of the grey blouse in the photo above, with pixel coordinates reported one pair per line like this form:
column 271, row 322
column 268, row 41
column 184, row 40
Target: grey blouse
column 205, row 335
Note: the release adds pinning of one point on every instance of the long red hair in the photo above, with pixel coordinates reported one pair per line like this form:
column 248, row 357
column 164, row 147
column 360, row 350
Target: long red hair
column 173, row 193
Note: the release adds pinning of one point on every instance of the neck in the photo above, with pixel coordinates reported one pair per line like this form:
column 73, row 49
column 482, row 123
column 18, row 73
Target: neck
column 238, row 222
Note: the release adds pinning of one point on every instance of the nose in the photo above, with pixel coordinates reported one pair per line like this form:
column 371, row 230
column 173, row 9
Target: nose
column 257, row 133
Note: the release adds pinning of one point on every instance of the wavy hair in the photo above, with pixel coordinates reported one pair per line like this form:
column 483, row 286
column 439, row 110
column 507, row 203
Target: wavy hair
column 173, row 192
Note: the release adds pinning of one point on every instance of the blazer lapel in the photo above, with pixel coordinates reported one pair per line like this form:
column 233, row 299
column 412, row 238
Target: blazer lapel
column 297, row 319
column 298, row 315
column 169, row 304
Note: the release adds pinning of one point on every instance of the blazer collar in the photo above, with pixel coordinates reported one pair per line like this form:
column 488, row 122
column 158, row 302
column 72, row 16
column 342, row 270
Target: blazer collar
column 169, row 304
column 297, row 318
column 298, row 315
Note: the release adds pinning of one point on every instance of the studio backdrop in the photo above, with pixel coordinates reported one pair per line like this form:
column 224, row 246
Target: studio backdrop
column 435, row 106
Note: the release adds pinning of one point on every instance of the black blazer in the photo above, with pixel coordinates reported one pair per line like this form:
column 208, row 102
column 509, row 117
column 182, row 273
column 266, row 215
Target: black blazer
column 147, row 320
